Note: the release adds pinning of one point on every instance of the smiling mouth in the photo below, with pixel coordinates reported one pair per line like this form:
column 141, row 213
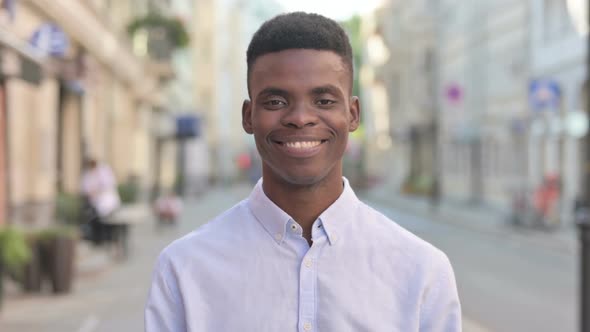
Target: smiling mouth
column 303, row 144
column 301, row 149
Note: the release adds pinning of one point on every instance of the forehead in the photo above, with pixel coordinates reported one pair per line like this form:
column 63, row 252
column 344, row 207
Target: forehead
column 301, row 67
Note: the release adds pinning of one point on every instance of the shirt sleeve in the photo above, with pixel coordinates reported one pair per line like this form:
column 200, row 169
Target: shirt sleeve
column 441, row 308
column 164, row 310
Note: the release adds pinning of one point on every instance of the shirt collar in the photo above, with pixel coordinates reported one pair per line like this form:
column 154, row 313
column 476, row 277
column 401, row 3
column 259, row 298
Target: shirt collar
column 340, row 213
column 275, row 220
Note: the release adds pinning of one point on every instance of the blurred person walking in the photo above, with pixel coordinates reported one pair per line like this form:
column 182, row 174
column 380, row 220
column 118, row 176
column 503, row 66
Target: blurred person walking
column 302, row 252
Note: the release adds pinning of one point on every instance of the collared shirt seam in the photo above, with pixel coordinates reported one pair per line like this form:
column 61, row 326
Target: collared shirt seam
column 264, row 229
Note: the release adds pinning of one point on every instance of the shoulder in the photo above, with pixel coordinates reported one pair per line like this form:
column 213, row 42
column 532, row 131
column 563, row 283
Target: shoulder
column 217, row 234
column 398, row 239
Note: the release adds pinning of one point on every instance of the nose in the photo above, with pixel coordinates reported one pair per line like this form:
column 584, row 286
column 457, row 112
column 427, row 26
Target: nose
column 299, row 116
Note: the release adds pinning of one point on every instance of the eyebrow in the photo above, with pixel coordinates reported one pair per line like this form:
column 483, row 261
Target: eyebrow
column 329, row 88
column 273, row 91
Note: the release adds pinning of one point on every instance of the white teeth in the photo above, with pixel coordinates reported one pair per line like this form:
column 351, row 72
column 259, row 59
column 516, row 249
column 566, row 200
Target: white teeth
column 302, row 145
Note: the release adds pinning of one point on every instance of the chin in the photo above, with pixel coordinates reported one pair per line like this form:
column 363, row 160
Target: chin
column 304, row 180
column 300, row 177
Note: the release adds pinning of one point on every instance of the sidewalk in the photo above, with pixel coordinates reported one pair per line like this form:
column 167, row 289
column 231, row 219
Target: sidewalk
column 109, row 294
column 477, row 218
column 90, row 261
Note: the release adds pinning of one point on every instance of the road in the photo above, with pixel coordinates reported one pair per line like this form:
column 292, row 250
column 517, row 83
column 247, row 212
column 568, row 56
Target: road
column 504, row 284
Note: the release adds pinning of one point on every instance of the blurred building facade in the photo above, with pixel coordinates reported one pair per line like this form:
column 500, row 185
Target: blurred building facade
column 72, row 88
column 222, row 31
column 558, row 56
column 401, row 97
column 463, row 113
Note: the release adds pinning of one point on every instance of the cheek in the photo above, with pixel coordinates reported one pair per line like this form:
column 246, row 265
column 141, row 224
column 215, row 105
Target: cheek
column 262, row 125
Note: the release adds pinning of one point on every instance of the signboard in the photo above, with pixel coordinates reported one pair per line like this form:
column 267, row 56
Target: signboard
column 187, row 126
column 8, row 7
column 50, row 39
column 544, row 94
column 454, row 93
column 15, row 65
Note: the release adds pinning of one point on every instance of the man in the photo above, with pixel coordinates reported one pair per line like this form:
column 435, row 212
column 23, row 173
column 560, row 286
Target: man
column 99, row 188
column 302, row 253
column 99, row 185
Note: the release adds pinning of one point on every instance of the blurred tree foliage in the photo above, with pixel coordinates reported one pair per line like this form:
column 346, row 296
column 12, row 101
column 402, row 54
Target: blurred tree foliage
column 68, row 208
column 129, row 190
column 353, row 27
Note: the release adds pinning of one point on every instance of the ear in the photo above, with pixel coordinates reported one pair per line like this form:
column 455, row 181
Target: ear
column 247, row 116
column 355, row 116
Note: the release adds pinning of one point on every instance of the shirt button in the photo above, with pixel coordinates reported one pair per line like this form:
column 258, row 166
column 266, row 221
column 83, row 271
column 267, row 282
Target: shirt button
column 278, row 236
column 294, row 227
column 307, row 326
column 308, row 262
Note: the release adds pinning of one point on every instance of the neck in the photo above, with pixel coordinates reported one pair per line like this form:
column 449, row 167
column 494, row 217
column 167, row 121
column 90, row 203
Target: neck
column 304, row 203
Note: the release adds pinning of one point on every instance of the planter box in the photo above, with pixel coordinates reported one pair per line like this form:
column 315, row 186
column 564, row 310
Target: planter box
column 31, row 279
column 59, row 256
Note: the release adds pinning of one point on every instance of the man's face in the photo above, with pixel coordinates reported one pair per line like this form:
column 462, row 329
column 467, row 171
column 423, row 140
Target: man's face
column 300, row 113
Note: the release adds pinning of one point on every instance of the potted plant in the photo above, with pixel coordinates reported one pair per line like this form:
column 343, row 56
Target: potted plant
column 128, row 191
column 14, row 253
column 58, row 256
column 31, row 277
column 68, row 208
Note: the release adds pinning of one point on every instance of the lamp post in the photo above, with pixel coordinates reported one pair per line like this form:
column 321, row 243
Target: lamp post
column 580, row 12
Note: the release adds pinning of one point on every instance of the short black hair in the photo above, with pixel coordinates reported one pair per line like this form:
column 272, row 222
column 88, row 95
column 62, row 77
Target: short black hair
column 299, row 30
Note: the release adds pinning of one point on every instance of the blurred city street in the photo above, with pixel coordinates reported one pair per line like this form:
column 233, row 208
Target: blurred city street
column 473, row 134
column 506, row 282
column 110, row 295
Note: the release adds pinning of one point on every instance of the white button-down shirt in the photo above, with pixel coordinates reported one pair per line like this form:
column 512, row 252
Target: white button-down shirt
column 250, row 269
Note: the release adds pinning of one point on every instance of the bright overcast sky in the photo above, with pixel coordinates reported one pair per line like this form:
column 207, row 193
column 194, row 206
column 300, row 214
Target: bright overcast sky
column 335, row 9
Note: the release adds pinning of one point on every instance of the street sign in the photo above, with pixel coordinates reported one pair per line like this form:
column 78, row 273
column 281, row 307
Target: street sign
column 544, row 94
column 454, row 93
column 188, row 126
column 50, row 39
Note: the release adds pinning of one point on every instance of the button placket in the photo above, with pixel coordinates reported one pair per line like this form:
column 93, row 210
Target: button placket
column 307, row 288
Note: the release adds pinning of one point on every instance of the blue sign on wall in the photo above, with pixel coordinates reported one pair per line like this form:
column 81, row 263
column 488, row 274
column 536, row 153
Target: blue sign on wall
column 9, row 7
column 544, row 94
column 188, row 126
column 50, row 39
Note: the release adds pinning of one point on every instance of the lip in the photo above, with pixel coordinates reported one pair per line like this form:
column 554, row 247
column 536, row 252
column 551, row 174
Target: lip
column 302, row 152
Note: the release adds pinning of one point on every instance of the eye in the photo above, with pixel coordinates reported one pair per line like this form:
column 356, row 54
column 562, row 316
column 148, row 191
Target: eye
column 274, row 103
column 325, row 102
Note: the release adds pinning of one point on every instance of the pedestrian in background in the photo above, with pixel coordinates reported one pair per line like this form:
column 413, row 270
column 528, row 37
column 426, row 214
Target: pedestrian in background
column 99, row 187
column 302, row 253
